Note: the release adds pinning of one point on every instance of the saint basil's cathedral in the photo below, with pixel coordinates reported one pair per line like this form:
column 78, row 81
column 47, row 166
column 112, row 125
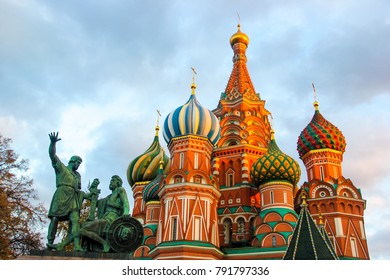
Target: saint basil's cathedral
column 228, row 191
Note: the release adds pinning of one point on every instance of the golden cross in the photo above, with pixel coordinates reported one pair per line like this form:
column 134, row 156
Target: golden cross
column 315, row 93
column 158, row 117
column 193, row 74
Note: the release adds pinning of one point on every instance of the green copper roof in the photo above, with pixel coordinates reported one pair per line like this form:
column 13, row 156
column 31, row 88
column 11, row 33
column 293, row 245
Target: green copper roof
column 307, row 242
column 281, row 211
column 275, row 166
column 185, row 242
column 253, row 250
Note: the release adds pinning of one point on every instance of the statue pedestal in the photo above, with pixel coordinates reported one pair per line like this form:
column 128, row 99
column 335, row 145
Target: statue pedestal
column 64, row 255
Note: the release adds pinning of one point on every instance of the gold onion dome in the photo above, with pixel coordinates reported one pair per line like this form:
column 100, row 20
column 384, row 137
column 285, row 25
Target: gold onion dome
column 145, row 167
column 320, row 134
column 239, row 37
column 275, row 166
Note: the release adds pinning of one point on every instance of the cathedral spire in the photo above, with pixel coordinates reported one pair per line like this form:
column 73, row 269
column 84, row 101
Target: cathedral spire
column 240, row 84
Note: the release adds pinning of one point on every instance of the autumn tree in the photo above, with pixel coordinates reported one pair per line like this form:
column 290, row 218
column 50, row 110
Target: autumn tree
column 20, row 219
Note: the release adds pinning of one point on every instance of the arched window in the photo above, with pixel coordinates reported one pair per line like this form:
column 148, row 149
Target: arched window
column 230, row 178
column 227, row 230
column 196, row 161
column 240, row 225
column 181, row 161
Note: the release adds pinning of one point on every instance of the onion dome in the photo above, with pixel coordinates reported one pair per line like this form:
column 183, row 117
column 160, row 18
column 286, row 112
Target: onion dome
column 192, row 119
column 239, row 37
column 275, row 166
column 320, row 134
column 150, row 191
column 145, row 167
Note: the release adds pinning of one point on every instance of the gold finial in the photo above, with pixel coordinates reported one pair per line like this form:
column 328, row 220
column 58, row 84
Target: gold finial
column 303, row 197
column 158, row 120
column 193, row 85
column 316, row 104
column 321, row 222
column 162, row 160
column 238, row 25
column 272, row 134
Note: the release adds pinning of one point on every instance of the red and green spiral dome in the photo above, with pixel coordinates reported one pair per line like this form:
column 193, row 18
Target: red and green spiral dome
column 320, row 134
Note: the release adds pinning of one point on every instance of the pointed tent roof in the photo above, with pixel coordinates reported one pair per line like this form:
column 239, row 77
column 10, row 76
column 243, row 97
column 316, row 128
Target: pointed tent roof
column 240, row 84
column 307, row 242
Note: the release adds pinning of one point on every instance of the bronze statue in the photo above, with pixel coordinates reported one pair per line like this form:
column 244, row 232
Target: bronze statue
column 67, row 199
column 114, row 228
column 110, row 208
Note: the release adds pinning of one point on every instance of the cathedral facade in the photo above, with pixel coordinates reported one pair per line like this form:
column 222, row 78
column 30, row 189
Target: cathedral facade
column 227, row 191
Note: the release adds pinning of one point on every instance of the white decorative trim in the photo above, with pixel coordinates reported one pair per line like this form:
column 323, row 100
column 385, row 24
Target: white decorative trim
column 313, row 192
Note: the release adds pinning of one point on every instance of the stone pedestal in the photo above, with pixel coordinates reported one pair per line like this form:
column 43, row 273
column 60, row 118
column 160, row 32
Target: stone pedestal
column 64, row 255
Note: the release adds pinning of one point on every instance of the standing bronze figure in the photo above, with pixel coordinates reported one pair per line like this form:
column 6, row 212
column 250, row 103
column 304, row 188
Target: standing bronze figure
column 67, row 199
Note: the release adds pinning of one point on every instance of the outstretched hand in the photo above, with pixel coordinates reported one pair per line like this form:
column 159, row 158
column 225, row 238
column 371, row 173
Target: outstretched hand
column 54, row 137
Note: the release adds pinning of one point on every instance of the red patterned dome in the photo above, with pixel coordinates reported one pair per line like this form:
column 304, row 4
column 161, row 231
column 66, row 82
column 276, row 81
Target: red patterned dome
column 320, row 134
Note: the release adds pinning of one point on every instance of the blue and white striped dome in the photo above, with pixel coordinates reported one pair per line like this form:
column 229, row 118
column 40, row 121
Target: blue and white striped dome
column 192, row 119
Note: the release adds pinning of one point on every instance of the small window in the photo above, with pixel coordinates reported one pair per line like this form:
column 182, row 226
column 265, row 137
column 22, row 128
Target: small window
column 322, row 194
column 272, row 197
column 354, row 248
column 322, row 175
column 222, row 202
column 230, row 201
column 198, row 179
column 151, row 214
column 240, row 225
column 273, row 241
column 178, row 179
column 196, row 161
column 238, row 200
column 230, row 180
column 181, row 162
column 174, row 228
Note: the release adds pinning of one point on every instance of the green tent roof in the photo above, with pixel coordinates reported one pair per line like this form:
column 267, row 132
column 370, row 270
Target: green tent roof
column 307, row 242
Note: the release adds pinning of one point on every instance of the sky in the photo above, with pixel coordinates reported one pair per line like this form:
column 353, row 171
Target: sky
column 97, row 71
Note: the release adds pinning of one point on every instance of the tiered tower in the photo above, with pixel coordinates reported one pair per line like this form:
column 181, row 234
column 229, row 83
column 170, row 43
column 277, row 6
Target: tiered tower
column 188, row 224
column 321, row 146
column 245, row 134
column 276, row 175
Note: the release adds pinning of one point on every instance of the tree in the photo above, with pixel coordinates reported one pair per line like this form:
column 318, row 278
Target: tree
column 20, row 219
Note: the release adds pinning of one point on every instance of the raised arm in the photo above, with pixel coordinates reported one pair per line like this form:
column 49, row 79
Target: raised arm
column 52, row 147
